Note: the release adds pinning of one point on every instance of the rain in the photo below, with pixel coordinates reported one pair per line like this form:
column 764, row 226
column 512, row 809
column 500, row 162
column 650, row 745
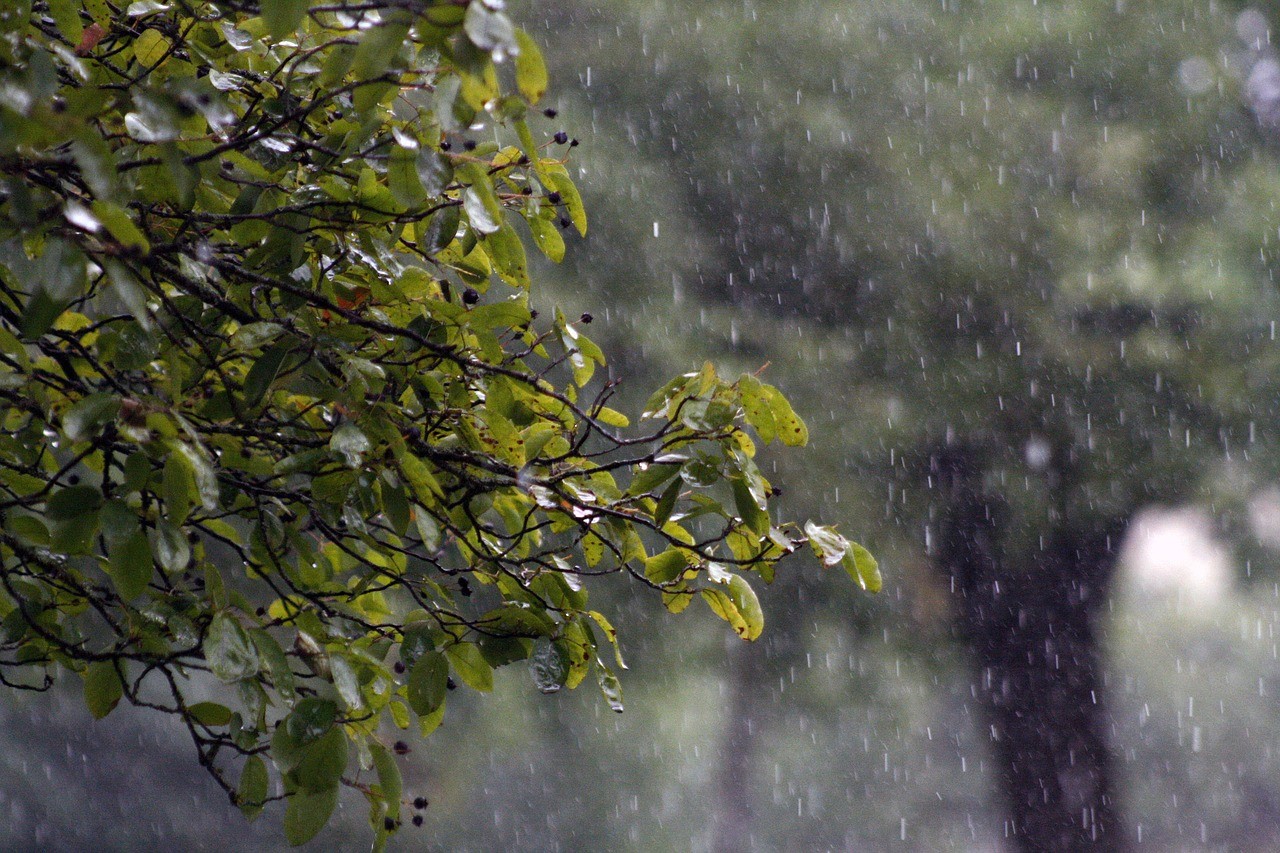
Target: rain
column 1014, row 263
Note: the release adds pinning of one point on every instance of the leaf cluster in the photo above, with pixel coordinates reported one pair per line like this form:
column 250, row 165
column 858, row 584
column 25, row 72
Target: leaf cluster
column 278, row 413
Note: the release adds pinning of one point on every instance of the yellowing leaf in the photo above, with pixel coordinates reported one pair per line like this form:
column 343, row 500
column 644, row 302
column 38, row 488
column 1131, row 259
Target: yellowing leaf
column 149, row 48
column 121, row 225
column 531, row 70
column 471, row 666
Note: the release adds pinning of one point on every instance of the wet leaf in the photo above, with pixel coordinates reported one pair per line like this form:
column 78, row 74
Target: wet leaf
column 229, row 650
column 102, row 688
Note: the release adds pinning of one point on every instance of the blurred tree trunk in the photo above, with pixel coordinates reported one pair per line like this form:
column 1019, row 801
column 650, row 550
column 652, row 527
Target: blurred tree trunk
column 1029, row 622
column 733, row 809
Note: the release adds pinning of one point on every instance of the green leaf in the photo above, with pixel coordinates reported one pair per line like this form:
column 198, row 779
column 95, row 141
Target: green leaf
column 323, row 761
column 748, row 607
column 307, row 812
column 66, row 15
column 118, row 522
column 388, row 777
column 478, row 214
column 350, row 444
column 559, row 178
column 432, row 721
column 205, row 478
column 346, row 681
column 546, row 236
column 283, row 16
column 253, row 336
column 73, row 513
column 471, row 666
column 102, row 688
column 862, row 567
column 251, row 793
column 610, row 687
column 548, row 666
column 508, row 443
column 99, row 11
column 723, row 606
column 749, row 509
column 428, row 681
column 118, row 221
column 531, row 71
column 86, row 418
column 229, row 651
column 379, row 47
column 506, row 250
column 651, row 477
column 402, row 176
column 148, row 49
column 791, row 429
column 828, row 546
column 270, row 653
column 666, row 567
column 425, row 487
column 756, row 404
column 73, row 502
column 130, row 566
column 210, row 714
column 170, row 547
column 593, row 549
column 515, row 620
column 309, row 720
column 667, row 503
column 179, row 483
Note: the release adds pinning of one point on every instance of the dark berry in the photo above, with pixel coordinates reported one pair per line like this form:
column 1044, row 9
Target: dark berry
column 420, row 802
column 58, row 105
column 261, row 611
column 470, row 145
column 564, row 223
column 73, row 479
column 390, row 823
column 417, row 820
column 446, row 145
column 401, row 748
column 464, row 586
column 586, row 317
column 550, row 113
column 533, row 313
column 526, row 191
column 573, row 143
column 471, row 296
column 561, row 137
column 399, row 667
column 450, row 683
column 554, row 198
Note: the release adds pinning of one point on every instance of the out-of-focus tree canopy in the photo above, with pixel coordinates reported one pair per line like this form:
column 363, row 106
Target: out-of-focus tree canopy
column 1023, row 252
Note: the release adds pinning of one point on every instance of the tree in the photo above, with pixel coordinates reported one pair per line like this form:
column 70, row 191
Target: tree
column 280, row 419
column 1037, row 244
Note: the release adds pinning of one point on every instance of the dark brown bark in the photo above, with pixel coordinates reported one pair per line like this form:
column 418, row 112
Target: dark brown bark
column 1029, row 623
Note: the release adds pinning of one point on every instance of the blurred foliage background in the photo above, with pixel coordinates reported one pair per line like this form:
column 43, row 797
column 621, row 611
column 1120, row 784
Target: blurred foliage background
column 1049, row 227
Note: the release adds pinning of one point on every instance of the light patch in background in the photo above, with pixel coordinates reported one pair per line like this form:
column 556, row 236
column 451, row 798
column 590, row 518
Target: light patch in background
column 1173, row 553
